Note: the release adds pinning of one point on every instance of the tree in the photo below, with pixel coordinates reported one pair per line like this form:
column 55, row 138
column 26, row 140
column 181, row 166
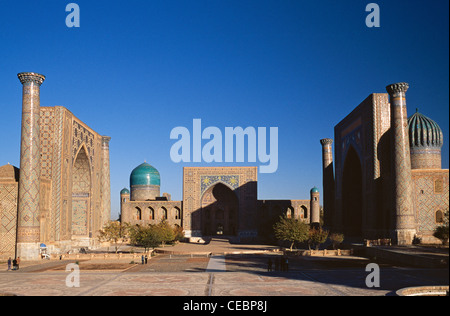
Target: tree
column 145, row 236
column 115, row 232
column 336, row 239
column 291, row 230
column 317, row 236
column 442, row 231
column 166, row 233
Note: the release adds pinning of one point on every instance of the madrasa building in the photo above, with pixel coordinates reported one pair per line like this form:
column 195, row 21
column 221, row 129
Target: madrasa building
column 386, row 179
column 60, row 196
column 216, row 201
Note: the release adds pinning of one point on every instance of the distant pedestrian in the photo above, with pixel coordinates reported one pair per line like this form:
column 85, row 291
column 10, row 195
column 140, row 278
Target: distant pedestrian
column 18, row 262
column 9, row 264
column 269, row 265
column 14, row 264
column 142, row 259
column 146, row 259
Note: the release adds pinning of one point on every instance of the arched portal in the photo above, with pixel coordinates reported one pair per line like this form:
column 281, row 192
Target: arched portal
column 352, row 194
column 219, row 211
column 81, row 192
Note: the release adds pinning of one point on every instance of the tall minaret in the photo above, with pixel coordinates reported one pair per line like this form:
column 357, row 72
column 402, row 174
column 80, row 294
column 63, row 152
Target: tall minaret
column 404, row 228
column 28, row 227
column 106, row 182
column 328, row 181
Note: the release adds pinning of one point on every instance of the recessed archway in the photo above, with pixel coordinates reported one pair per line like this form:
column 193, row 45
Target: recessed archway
column 352, row 194
column 81, row 191
column 219, row 211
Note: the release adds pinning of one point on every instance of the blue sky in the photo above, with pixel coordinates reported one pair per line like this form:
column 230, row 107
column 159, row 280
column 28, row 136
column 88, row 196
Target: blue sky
column 136, row 69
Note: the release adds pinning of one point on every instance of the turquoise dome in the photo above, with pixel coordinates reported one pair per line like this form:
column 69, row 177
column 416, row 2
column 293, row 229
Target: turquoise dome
column 424, row 132
column 145, row 174
column 314, row 190
column 124, row 191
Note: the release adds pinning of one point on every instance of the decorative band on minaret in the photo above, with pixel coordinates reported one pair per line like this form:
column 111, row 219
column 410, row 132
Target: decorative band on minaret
column 404, row 229
column 28, row 226
column 328, row 180
column 106, row 181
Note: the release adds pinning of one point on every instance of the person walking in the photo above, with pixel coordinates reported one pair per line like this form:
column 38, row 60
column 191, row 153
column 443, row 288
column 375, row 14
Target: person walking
column 9, row 264
column 269, row 265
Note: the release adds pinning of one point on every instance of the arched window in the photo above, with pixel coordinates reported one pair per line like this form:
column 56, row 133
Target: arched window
column 164, row 213
column 151, row 213
column 304, row 212
column 289, row 213
column 177, row 213
column 138, row 214
column 439, row 217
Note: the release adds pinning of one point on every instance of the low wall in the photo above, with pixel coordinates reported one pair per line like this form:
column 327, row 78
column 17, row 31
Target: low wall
column 320, row 253
column 93, row 256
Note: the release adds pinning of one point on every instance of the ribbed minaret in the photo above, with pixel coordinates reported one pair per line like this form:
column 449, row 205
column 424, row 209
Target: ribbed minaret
column 404, row 228
column 28, row 227
column 106, row 182
column 328, row 180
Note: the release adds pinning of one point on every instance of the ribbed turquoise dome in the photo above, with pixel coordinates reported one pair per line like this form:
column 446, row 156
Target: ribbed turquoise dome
column 314, row 190
column 424, row 132
column 124, row 191
column 145, row 174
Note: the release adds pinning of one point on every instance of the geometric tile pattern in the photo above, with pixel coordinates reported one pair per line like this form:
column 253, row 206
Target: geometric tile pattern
column 426, row 200
column 79, row 217
column 402, row 164
column 46, row 142
column 28, row 210
column 8, row 219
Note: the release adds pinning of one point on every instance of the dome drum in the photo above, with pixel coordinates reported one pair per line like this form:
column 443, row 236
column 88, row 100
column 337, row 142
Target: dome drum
column 144, row 192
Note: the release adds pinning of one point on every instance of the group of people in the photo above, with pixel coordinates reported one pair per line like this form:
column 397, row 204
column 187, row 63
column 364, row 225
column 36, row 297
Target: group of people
column 13, row 264
column 281, row 264
column 144, row 259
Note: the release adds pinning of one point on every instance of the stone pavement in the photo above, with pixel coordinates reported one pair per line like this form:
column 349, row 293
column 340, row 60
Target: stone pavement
column 217, row 275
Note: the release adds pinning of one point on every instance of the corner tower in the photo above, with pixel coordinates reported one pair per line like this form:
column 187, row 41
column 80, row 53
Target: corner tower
column 28, row 227
column 315, row 206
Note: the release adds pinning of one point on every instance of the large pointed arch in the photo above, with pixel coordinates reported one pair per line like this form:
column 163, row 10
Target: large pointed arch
column 352, row 200
column 81, row 193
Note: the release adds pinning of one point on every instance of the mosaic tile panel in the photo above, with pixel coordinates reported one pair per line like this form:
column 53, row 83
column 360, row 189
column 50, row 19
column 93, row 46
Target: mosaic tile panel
column 8, row 219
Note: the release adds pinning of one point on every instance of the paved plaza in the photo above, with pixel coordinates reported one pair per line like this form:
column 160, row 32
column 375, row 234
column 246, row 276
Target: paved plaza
column 243, row 274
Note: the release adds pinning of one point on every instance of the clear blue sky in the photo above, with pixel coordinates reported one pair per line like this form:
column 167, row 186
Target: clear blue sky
column 134, row 70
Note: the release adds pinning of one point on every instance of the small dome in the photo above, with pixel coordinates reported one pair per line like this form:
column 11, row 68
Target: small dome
column 314, row 190
column 145, row 174
column 125, row 191
column 424, row 132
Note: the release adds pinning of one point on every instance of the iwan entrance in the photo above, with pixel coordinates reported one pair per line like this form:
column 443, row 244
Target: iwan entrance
column 219, row 209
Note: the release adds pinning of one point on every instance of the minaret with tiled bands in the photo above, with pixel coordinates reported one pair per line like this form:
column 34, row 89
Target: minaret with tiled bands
column 404, row 228
column 106, row 182
column 28, row 226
